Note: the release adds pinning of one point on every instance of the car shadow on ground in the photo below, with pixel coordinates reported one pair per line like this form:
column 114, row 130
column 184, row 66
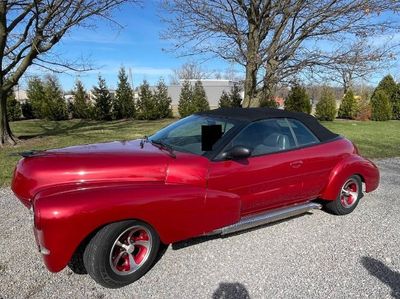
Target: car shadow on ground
column 202, row 239
column 383, row 273
column 231, row 290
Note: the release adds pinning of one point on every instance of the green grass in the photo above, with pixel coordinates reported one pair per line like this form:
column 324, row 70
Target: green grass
column 374, row 139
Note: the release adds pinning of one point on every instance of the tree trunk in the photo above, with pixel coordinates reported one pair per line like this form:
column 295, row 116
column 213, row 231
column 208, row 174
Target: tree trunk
column 250, row 82
column 270, row 82
column 6, row 136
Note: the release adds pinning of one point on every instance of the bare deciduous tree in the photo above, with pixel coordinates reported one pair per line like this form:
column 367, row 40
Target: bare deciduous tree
column 28, row 32
column 357, row 61
column 188, row 71
column 273, row 39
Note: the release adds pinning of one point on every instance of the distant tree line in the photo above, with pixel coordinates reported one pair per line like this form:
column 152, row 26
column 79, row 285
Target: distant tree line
column 382, row 104
column 46, row 101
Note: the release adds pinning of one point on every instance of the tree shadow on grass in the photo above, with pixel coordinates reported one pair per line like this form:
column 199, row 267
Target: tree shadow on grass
column 383, row 273
column 65, row 128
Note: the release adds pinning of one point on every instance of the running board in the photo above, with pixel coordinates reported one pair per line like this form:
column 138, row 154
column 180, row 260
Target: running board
column 251, row 221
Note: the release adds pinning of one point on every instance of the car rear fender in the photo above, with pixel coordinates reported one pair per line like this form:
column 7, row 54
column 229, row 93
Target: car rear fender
column 352, row 165
column 177, row 212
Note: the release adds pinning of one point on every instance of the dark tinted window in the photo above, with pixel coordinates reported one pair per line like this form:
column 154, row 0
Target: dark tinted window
column 185, row 134
column 303, row 135
column 266, row 136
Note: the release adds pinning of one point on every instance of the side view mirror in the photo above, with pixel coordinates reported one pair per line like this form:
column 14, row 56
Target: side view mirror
column 237, row 152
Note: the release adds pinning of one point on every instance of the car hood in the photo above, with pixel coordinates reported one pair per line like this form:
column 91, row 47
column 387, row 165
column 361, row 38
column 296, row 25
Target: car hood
column 113, row 162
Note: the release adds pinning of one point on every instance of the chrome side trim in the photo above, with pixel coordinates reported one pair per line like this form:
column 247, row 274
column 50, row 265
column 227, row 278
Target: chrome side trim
column 266, row 217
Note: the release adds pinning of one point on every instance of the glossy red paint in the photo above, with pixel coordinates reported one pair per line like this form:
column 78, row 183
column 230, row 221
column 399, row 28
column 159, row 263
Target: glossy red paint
column 77, row 190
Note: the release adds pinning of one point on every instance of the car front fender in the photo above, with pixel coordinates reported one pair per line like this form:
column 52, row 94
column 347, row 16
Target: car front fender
column 352, row 165
column 64, row 218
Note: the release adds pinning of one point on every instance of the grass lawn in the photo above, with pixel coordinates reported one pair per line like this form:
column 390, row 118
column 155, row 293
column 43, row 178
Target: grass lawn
column 374, row 139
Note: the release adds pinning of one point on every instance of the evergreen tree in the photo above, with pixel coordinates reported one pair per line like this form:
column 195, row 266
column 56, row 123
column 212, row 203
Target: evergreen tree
column 185, row 100
column 225, row 100
column 103, row 101
column 80, row 105
column 298, row 100
column 326, row 107
column 27, row 110
column 396, row 104
column 146, row 105
column 124, row 104
column 200, row 102
column 391, row 89
column 13, row 108
column 37, row 98
column 348, row 107
column 163, row 101
column 57, row 107
column 235, row 97
column 381, row 108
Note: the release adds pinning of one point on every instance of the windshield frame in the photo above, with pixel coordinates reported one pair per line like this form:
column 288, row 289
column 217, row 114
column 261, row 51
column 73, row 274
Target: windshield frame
column 220, row 144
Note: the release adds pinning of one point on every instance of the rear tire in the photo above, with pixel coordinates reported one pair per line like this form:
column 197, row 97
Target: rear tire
column 121, row 253
column 349, row 196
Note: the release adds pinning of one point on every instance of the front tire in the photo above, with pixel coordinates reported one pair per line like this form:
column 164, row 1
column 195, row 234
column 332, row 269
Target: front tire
column 121, row 253
column 348, row 197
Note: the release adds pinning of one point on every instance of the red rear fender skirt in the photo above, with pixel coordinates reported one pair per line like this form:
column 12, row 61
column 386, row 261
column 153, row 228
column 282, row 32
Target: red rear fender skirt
column 352, row 165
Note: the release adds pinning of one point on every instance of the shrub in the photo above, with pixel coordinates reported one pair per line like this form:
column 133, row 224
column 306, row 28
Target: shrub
column 27, row 110
column 162, row 100
column 103, row 101
column 13, row 108
column 199, row 100
column 348, row 106
column 224, row 100
column 185, row 100
column 124, row 104
column 37, row 97
column 381, row 108
column 391, row 89
column 326, row 107
column 80, row 105
column 364, row 108
column 396, row 104
column 233, row 99
column 298, row 100
column 146, row 105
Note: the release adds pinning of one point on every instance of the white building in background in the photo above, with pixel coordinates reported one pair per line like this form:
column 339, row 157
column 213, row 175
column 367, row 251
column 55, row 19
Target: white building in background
column 20, row 95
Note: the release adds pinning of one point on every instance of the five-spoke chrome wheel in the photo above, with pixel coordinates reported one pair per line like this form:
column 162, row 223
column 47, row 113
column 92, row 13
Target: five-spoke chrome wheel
column 130, row 250
column 349, row 193
column 348, row 197
column 121, row 252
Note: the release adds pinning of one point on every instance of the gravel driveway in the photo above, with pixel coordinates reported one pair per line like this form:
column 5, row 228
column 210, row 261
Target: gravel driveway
column 313, row 256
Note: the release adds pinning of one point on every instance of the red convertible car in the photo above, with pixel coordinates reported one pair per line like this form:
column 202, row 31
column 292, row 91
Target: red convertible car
column 106, row 209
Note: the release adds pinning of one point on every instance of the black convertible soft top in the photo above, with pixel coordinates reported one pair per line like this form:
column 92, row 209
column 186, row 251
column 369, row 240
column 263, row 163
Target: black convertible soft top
column 254, row 114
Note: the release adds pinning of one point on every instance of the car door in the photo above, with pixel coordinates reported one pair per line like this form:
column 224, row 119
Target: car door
column 270, row 177
column 318, row 159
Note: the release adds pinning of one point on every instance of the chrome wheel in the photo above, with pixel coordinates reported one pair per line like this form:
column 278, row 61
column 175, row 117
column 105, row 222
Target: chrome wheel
column 130, row 250
column 349, row 193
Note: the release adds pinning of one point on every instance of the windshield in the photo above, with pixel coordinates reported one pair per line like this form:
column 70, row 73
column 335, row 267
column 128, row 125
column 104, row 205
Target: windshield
column 186, row 134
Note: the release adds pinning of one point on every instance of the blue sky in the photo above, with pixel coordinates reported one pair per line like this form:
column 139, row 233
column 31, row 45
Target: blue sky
column 137, row 46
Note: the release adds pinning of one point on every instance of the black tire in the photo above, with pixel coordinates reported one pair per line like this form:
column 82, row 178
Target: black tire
column 98, row 254
column 337, row 206
column 76, row 263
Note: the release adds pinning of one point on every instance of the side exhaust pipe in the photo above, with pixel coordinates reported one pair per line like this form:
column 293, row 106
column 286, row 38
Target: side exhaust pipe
column 266, row 217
